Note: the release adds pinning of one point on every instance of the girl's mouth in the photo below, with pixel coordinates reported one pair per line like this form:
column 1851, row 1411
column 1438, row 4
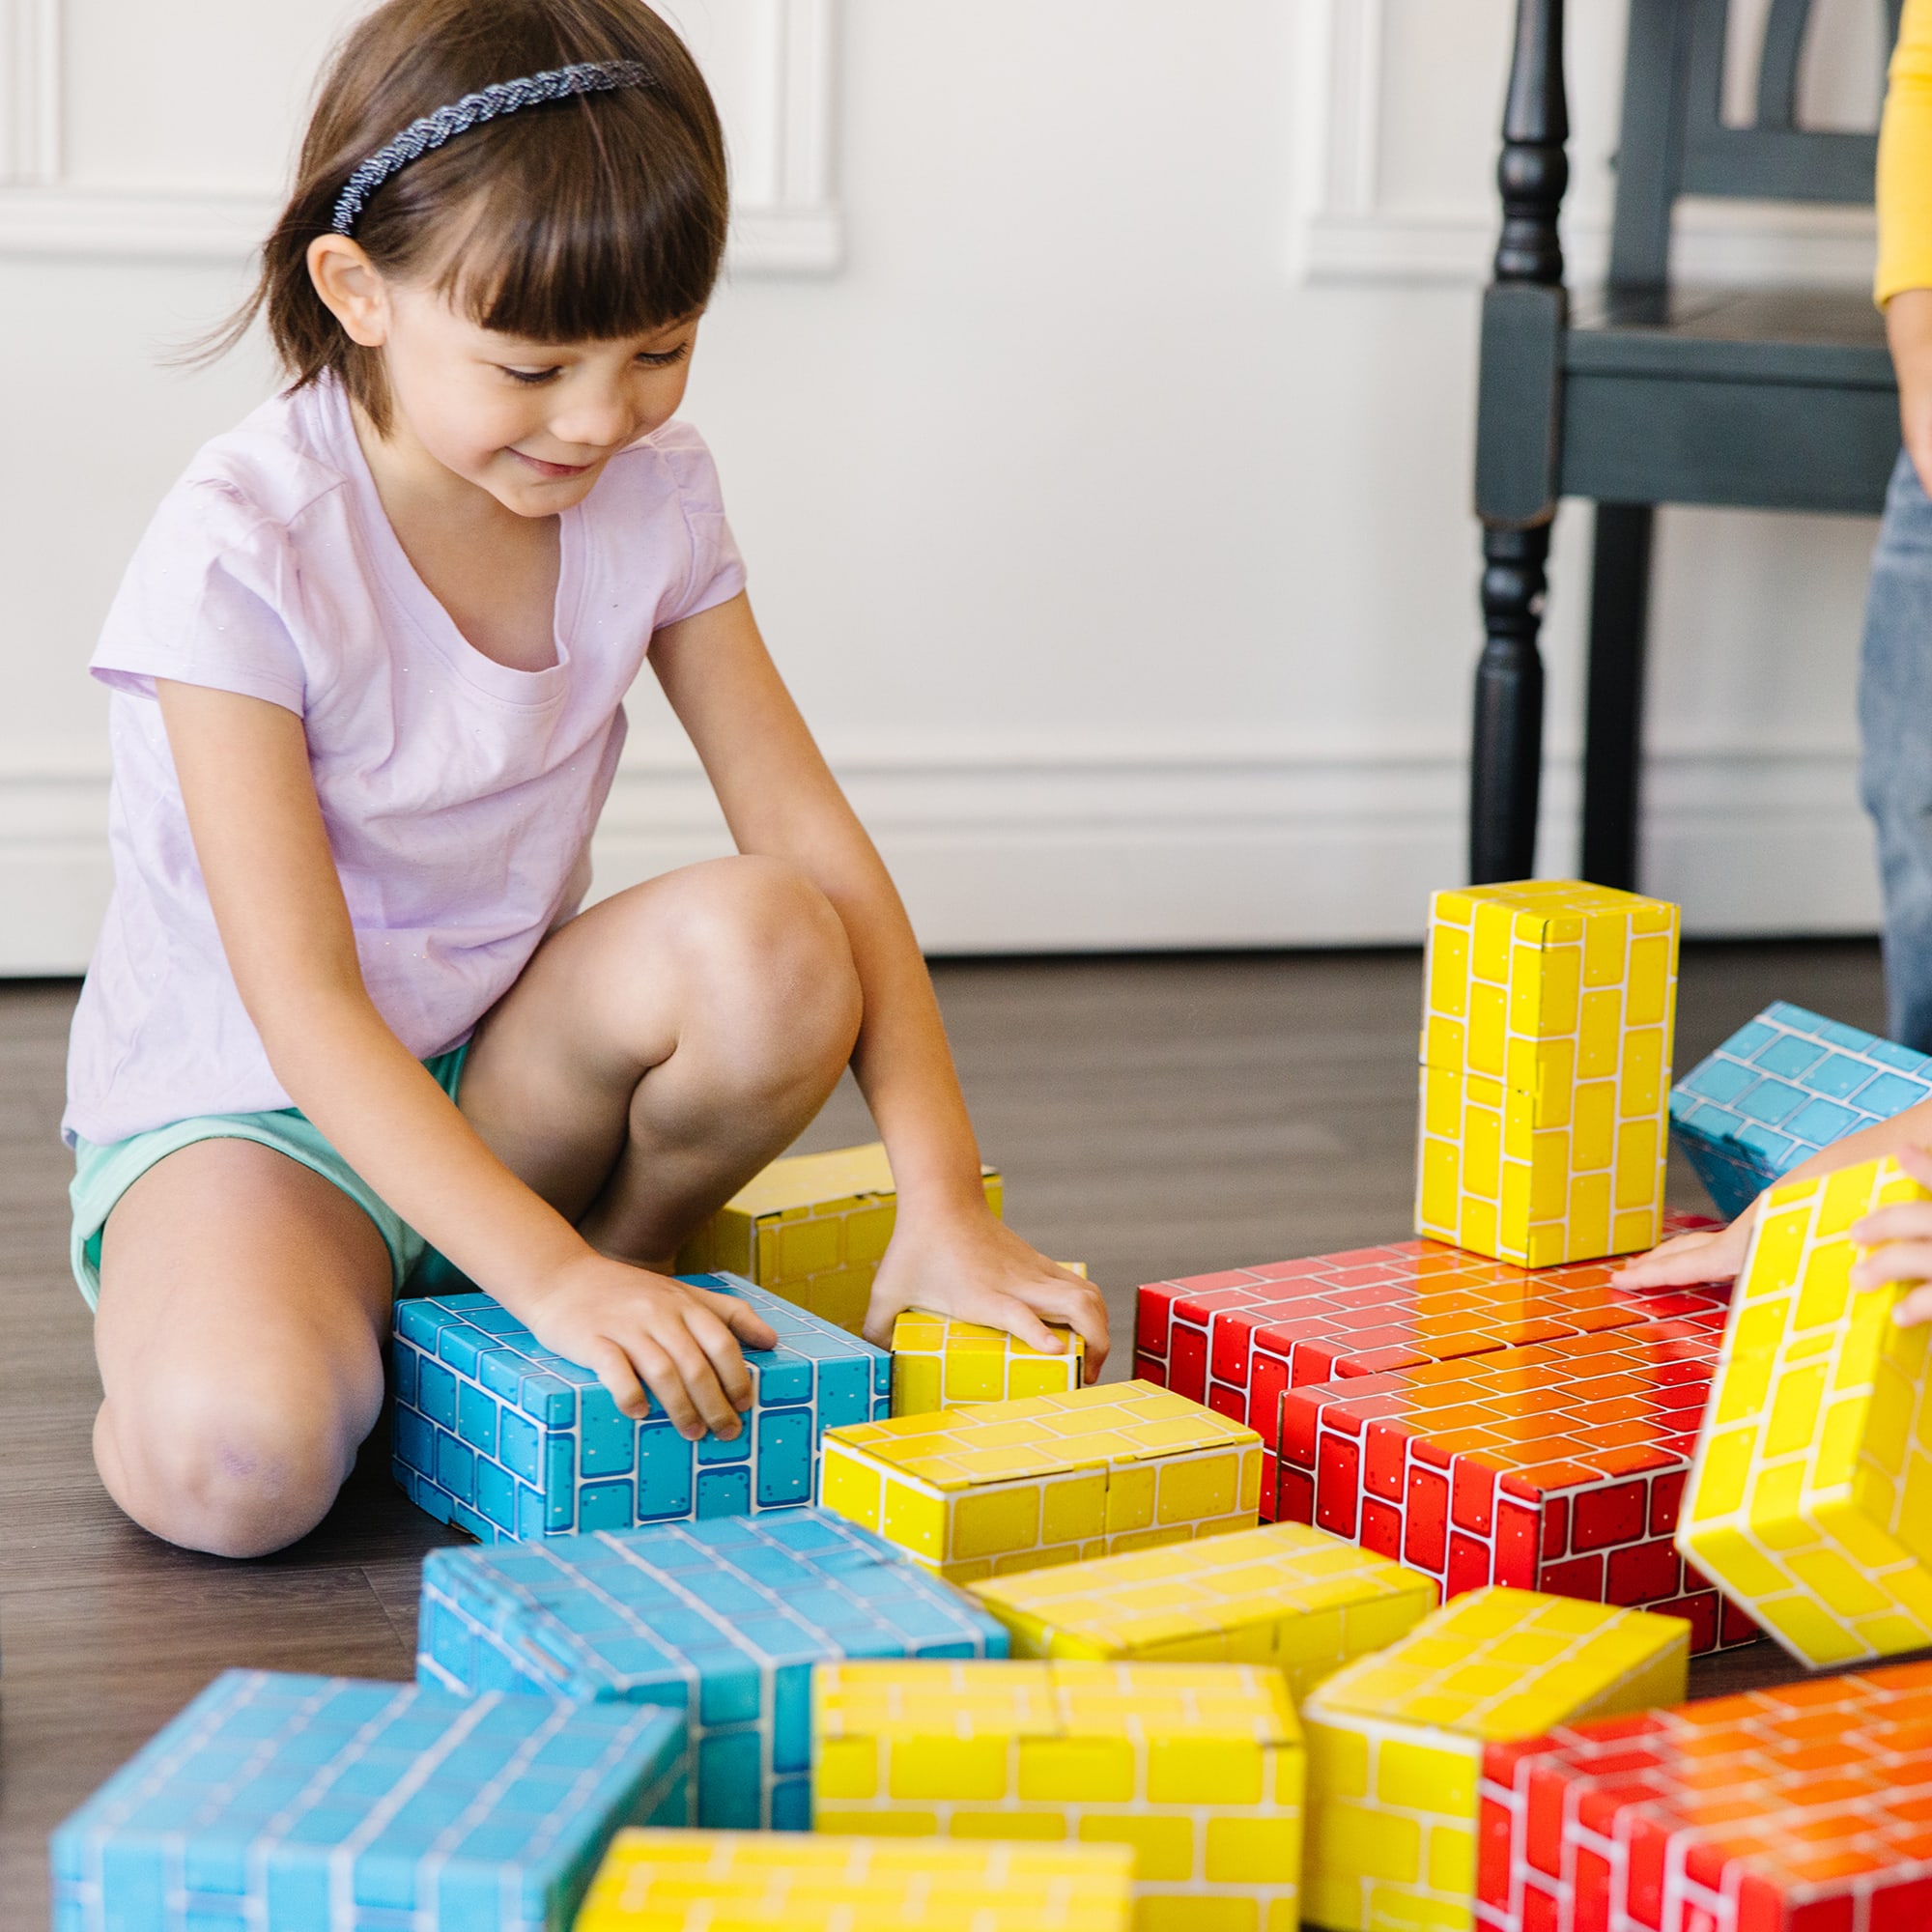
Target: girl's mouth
column 551, row 471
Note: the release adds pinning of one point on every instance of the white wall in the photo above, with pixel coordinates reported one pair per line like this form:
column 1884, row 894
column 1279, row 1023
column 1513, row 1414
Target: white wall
column 1093, row 390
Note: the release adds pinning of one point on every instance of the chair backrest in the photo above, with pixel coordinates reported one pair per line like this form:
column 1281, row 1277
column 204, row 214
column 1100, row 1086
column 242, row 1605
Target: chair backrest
column 1674, row 138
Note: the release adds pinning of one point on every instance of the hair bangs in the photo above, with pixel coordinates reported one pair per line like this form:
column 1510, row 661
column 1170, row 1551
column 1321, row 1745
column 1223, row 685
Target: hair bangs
column 592, row 238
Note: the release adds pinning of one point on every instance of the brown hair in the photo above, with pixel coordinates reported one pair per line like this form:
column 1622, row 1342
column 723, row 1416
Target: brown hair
column 585, row 219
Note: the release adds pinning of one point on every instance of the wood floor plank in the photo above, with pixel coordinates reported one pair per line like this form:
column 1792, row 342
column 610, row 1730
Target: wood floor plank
column 1152, row 1117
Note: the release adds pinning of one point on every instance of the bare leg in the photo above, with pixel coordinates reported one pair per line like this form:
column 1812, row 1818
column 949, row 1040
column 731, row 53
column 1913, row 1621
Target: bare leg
column 243, row 1303
column 664, row 1045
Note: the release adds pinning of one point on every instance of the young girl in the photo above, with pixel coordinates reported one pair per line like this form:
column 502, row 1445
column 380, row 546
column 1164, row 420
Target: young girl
column 368, row 668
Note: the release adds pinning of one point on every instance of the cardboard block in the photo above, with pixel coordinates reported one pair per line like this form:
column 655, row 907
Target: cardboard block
column 505, row 1440
column 1811, row 1499
column 813, row 1228
column 1395, row 1742
column 700, row 1881
column 1235, row 1340
column 1288, row 1596
column 940, row 1363
column 1780, row 1089
column 321, row 1804
column 720, row 1621
column 1560, row 1467
column 1803, row 1808
column 1004, row 1486
column 1547, row 1014
column 1198, row 1767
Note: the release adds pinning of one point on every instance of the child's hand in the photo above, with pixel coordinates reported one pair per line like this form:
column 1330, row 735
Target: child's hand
column 1899, row 1243
column 641, row 1331
column 975, row 1269
column 1684, row 1261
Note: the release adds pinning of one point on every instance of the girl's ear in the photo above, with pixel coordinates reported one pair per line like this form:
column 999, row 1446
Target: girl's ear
column 350, row 288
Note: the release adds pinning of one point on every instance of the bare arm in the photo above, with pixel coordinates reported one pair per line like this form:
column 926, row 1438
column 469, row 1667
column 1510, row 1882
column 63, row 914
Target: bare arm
column 1908, row 329
column 779, row 799
column 263, row 851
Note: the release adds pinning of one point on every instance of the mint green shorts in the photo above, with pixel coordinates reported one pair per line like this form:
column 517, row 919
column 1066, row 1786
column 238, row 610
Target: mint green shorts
column 103, row 1174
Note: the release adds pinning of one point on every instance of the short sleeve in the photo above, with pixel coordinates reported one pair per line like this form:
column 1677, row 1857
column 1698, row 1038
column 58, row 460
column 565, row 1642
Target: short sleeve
column 202, row 600
column 715, row 571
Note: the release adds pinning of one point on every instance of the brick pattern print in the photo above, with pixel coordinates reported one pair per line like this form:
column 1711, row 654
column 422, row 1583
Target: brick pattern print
column 1198, row 1767
column 505, row 1440
column 327, row 1804
column 1811, row 1499
column 1559, row 1468
column 940, row 1363
column 1295, row 1598
column 1236, row 1340
column 1395, row 1742
column 1007, row 1485
column 1782, row 1088
column 721, row 1621
column 1805, row 1809
column 1546, row 1070
column 813, row 1228
column 703, row 1881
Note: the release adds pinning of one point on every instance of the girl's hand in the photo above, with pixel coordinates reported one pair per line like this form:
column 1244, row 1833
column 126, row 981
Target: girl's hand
column 1686, row 1260
column 975, row 1269
column 1898, row 1240
column 640, row 1331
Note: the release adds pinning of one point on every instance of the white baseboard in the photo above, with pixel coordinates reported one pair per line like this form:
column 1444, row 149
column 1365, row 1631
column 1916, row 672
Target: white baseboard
column 1100, row 848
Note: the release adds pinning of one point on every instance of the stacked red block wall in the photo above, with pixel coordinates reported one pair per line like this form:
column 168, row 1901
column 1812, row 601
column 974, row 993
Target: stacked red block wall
column 1805, row 1809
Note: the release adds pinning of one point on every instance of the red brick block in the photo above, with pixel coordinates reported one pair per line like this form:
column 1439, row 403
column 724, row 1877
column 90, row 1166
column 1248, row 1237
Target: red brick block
column 1557, row 1467
column 1238, row 1339
column 1807, row 1808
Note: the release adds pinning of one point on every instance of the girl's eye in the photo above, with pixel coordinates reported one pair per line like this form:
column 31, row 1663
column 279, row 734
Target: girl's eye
column 529, row 378
column 663, row 358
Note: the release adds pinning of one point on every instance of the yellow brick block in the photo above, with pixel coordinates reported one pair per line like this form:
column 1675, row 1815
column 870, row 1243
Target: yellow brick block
column 1285, row 1595
column 940, row 1363
column 1395, row 1741
column 1196, row 1768
column 812, row 1227
column 1548, row 1010
column 661, row 1880
column 1809, row 1503
column 1002, row 1487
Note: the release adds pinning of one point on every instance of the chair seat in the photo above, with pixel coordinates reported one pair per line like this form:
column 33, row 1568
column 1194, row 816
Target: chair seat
column 1771, row 400
column 1828, row 336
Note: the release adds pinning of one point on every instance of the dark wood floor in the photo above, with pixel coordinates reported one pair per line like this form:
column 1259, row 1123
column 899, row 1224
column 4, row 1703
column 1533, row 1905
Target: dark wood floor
column 1154, row 1117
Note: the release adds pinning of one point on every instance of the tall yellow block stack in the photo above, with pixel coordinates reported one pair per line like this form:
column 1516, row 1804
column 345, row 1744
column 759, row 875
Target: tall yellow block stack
column 813, row 1228
column 1395, row 1742
column 939, row 1363
column 1810, row 1499
column 1546, row 1070
column 1286, row 1596
column 973, row 1492
column 1197, row 1767
column 654, row 1880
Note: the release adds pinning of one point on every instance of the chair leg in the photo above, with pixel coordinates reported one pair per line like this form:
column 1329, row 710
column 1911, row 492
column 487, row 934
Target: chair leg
column 1613, row 728
column 1506, row 756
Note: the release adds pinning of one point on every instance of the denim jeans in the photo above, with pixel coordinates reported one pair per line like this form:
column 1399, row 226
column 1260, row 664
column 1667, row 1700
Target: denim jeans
column 1895, row 726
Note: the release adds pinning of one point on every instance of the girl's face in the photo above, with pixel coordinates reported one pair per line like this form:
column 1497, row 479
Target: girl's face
column 530, row 423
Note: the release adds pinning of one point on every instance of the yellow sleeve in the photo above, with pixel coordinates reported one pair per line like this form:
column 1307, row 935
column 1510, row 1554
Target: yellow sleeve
column 1905, row 160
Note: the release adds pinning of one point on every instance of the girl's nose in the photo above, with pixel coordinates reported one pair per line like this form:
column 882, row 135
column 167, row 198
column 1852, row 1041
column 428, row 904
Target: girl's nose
column 594, row 422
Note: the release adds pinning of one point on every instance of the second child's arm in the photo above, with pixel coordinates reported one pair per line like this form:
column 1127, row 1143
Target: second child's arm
column 949, row 1253
column 264, row 852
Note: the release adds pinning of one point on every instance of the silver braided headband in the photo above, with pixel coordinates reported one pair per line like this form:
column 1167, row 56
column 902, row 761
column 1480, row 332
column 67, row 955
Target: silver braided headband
column 504, row 97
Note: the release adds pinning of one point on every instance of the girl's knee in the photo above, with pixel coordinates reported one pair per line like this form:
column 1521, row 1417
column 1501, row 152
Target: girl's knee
column 235, row 1470
column 761, row 936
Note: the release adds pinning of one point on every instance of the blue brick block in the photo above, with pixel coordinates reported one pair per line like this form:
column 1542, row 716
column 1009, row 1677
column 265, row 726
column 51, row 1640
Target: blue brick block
column 323, row 1803
column 1770, row 1096
column 496, row 1434
column 721, row 1621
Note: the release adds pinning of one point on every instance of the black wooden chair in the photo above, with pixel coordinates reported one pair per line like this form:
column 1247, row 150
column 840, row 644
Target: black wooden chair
column 1649, row 394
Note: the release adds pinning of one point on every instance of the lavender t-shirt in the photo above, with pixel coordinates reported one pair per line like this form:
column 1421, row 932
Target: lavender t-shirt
column 459, row 794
